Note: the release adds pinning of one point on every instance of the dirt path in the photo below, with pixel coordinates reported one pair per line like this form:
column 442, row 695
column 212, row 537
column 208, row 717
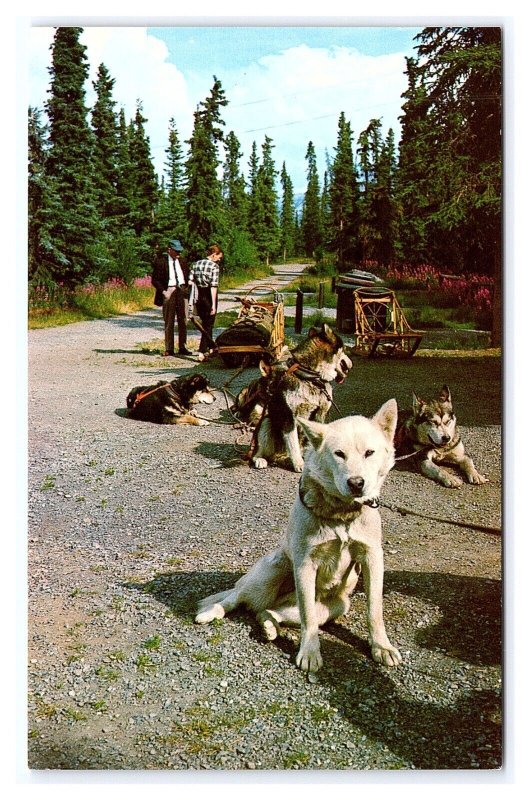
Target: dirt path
column 130, row 524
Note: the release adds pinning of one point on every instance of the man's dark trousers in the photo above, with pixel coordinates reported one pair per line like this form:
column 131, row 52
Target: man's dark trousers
column 175, row 305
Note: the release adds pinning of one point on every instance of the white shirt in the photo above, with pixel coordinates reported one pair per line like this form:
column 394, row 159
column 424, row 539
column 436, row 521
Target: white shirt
column 176, row 276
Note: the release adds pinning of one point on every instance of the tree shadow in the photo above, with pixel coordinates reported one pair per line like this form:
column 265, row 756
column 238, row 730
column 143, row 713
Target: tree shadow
column 143, row 319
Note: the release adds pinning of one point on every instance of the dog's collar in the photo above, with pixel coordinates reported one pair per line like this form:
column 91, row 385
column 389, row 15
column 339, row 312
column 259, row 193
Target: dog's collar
column 307, row 374
column 372, row 502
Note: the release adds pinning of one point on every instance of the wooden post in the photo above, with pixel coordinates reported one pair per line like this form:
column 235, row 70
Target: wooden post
column 299, row 314
column 321, row 295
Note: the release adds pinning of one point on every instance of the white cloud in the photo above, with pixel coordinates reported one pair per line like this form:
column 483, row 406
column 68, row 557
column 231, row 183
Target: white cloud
column 139, row 64
column 306, row 89
column 294, row 96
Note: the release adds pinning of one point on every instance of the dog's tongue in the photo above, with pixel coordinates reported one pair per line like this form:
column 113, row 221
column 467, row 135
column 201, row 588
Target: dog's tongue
column 339, row 380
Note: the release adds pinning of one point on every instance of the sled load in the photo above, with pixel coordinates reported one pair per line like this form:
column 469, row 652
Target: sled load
column 258, row 331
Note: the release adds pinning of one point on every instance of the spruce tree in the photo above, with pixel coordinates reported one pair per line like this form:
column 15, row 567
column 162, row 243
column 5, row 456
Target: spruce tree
column 124, row 188
column 75, row 227
column 312, row 233
column 43, row 206
column 206, row 223
column 414, row 193
column 268, row 233
column 253, row 192
column 378, row 209
column 171, row 213
column 384, row 204
column 234, row 197
column 143, row 184
column 239, row 249
column 287, row 217
column 451, row 146
column 105, row 128
column 344, row 198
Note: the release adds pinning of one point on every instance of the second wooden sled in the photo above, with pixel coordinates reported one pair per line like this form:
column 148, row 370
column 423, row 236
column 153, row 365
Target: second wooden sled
column 380, row 325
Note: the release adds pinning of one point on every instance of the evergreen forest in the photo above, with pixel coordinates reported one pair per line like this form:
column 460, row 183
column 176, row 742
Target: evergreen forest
column 98, row 210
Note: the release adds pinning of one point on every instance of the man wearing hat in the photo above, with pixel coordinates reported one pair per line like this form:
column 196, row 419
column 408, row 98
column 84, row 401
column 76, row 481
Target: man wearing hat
column 170, row 279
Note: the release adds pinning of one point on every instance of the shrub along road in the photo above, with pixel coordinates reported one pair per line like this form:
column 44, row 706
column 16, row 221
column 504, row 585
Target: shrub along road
column 131, row 523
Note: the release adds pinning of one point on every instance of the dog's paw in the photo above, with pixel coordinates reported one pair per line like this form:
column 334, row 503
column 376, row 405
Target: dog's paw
column 269, row 625
column 451, row 481
column 476, row 478
column 298, row 466
column 202, row 421
column 309, row 658
column 388, row 655
column 209, row 614
column 259, row 463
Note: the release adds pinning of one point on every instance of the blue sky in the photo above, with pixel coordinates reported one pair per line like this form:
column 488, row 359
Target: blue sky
column 189, row 47
column 290, row 83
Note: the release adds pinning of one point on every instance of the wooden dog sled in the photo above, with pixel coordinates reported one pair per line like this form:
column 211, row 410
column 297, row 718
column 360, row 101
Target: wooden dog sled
column 380, row 325
column 258, row 331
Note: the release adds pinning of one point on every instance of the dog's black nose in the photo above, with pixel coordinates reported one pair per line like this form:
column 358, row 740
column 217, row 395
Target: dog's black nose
column 446, row 439
column 356, row 485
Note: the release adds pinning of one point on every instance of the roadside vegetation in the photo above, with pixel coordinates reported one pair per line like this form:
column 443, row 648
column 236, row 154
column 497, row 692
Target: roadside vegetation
column 98, row 212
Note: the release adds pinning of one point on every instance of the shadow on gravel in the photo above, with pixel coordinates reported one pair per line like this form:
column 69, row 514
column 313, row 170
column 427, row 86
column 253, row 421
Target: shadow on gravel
column 470, row 628
column 373, row 381
column 151, row 318
column 226, row 455
column 181, row 591
column 464, row 734
column 81, row 755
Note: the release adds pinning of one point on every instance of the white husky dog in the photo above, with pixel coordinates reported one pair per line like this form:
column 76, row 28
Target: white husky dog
column 334, row 531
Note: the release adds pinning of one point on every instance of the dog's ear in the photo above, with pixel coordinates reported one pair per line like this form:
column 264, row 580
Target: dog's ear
column 386, row 418
column 314, row 431
column 445, row 394
column 264, row 368
column 327, row 334
column 417, row 403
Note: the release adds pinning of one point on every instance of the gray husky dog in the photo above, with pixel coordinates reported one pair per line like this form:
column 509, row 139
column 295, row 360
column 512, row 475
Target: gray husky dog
column 430, row 429
column 334, row 531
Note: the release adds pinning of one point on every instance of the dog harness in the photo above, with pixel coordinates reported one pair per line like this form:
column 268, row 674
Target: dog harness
column 142, row 395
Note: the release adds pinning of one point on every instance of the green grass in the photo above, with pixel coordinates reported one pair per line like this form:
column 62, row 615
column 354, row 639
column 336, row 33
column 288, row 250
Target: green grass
column 100, row 303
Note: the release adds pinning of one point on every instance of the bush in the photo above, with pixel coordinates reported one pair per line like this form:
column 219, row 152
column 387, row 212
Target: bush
column 239, row 252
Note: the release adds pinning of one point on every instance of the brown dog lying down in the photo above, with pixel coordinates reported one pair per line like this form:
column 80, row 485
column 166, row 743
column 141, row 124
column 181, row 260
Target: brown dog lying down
column 170, row 403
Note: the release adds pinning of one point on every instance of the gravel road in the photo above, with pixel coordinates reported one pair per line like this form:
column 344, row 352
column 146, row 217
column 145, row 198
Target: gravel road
column 131, row 523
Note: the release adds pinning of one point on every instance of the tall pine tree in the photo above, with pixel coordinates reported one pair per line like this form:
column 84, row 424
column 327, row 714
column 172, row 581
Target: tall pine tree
column 287, row 217
column 344, row 198
column 105, row 128
column 312, row 233
column 43, row 206
column 239, row 249
column 143, row 184
column 206, row 223
column 171, row 219
column 74, row 228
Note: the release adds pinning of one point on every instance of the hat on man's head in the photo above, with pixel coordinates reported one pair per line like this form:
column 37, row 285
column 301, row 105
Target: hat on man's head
column 176, row 245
